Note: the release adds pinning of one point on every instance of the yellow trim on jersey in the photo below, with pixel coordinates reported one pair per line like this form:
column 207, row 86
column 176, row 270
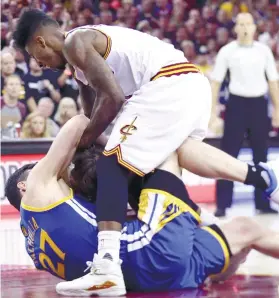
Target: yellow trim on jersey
column 49, row 207
column 223, row 245
column 176, row 69
column 169, row 199
column 117, row 151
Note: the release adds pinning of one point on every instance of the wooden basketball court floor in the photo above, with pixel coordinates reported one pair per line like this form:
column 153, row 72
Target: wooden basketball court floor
column 258, row 277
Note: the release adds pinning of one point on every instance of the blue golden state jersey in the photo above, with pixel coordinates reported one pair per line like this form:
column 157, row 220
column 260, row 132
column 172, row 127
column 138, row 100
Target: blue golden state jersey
column 61, row 237
column 163, row 249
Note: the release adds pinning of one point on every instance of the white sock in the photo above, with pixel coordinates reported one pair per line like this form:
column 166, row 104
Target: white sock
column 109, row 243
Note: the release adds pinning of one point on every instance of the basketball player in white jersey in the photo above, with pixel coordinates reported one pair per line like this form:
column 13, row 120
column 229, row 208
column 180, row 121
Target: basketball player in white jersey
column 169, row 104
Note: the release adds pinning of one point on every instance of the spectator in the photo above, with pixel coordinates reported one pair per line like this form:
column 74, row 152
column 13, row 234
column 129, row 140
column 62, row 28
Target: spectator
column 212, row 50
column 181, row 35
column 120, row 17
column 4, row 32
column 134, row 13
column 223, row 20
column 189, row 51
column 163, row 8
column 34, row 127
column 21, row 64
column 194, row 15
column 67, row 109
column 127, row 4
column 68, row 85
column 201, row 38
column 8, row 67
column 147, row 10
column 208, row 14
column 81, row 20
column 144, row 26
column 191, row 27
column 202, row 61
column 211, row 30
column 159, row 34
column 12, row 110
column 106, row 17
column 222, row 37
column 45, row 108
column 38, row 84
column 179, row 12
column 233, row 7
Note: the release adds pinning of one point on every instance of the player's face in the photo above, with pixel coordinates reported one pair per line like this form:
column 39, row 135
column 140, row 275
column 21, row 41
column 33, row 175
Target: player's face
column 45, row 55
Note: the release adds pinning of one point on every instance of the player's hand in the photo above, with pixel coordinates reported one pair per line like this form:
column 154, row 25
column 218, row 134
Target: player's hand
column 216, row 125
column 275, row 118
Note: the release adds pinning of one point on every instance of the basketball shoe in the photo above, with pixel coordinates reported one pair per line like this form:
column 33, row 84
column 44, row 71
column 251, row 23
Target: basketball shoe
column 104, row 279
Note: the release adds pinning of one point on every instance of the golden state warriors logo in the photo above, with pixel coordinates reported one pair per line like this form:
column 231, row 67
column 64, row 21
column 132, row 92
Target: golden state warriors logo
column 127, row 130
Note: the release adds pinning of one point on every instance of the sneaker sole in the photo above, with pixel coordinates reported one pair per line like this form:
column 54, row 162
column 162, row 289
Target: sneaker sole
column 102, row 292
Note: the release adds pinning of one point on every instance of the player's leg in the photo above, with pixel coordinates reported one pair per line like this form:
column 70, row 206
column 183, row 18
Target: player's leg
column 244, row 234
column 159, row 251
column 208, row 161
column 219, row 249
column 142, row 138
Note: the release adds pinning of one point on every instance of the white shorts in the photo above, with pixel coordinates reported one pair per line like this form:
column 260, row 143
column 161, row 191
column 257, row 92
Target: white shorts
column 158, row 118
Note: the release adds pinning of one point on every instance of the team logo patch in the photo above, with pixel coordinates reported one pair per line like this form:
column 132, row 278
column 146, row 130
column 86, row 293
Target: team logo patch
column 127, row 130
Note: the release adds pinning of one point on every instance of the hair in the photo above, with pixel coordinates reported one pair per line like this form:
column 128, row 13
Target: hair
column 12, row 76
column 26, row 127
column 83, row 177
column 11, row 190
column 29, row 22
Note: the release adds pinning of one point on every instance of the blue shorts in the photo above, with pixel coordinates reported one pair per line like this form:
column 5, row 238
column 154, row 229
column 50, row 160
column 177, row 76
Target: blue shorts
column 167, row 249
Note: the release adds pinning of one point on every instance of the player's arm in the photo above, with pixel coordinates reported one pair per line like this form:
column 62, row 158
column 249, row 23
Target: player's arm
column 87, row 95
column 80, row 51
column 61, row 152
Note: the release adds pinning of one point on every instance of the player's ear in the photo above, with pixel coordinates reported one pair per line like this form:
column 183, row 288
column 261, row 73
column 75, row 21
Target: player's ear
column 41, row 41
column 21, row 185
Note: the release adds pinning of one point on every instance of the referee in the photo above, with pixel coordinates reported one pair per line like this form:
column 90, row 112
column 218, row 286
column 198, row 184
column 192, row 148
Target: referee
column 252, row 70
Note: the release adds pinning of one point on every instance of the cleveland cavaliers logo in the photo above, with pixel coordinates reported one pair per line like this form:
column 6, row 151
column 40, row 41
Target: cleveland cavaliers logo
column 127, row 130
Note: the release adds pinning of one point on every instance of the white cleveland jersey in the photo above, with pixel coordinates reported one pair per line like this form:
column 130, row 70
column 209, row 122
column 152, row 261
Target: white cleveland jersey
column 134, row 57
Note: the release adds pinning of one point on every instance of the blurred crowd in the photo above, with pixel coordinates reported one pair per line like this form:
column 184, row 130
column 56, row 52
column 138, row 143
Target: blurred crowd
column 36, row 103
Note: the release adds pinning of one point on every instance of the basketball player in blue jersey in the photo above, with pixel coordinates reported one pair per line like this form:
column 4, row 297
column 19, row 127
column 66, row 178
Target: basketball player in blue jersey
column 169, row 104
column 164, row 249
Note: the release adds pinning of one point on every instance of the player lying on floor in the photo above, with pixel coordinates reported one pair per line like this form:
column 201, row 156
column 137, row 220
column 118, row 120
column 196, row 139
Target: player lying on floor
column 164, row 249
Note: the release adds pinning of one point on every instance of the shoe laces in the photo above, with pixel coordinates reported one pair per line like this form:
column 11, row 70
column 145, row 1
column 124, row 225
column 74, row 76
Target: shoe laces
column 93, row 267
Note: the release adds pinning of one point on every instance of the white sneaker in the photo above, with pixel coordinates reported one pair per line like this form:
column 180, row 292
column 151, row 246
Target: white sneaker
column 272, row 168
column 105, row 279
